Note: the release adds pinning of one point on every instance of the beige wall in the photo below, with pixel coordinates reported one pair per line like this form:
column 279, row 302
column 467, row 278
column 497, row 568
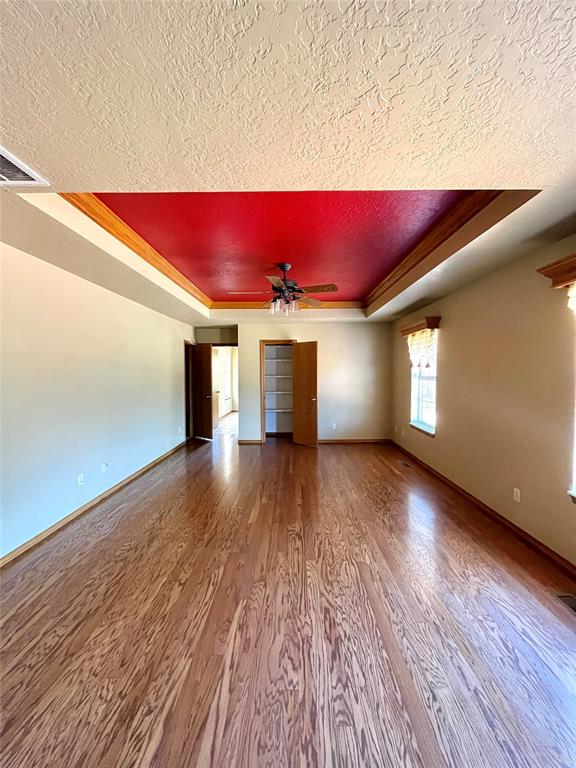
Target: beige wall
column 505, row 397
column 354, row 376
column 88, row 377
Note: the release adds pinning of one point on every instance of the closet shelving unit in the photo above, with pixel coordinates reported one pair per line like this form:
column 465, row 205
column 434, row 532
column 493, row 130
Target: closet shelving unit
column 278, row 388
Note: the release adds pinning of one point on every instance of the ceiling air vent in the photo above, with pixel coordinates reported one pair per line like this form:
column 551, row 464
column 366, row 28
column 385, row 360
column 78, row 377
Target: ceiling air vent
column 14, row 173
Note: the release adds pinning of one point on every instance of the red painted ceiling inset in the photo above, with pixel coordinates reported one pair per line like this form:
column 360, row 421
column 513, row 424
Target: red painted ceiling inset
column 229, row 241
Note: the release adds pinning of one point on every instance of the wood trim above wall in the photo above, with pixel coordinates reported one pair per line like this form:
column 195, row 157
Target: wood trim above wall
column 456, row 217
column 418, row 264
column 96, row 210
column 526, row 537
column 335, row 305
column 238, row 305
column 264, row 305
column 562, row 273
column 432, row 321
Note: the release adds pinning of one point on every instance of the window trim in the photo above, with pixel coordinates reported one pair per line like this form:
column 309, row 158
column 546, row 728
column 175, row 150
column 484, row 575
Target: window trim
column 425, row 429
column 431, row 322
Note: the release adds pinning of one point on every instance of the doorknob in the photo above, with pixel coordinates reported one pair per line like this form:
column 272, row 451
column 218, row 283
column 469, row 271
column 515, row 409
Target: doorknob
column 208, row 396
column 313, row 399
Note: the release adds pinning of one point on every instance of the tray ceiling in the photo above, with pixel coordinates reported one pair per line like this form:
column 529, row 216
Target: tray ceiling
column 230, row 241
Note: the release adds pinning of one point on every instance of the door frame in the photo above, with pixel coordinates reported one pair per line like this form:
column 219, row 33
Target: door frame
column 189, row 384
column 263, row 344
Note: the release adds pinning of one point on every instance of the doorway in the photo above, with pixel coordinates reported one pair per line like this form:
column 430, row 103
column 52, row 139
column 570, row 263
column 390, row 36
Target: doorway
column 224, row 388
column 211, row 387
column 288, row 390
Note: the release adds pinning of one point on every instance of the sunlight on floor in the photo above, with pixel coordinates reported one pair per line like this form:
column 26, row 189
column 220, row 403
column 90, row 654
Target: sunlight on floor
column 228, row 425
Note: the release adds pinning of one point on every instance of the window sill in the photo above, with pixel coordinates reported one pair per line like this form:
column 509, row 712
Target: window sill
column 424, row 429
column 572, row 495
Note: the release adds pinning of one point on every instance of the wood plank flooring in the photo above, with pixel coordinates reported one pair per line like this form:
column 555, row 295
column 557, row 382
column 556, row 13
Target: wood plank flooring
column 280, row 606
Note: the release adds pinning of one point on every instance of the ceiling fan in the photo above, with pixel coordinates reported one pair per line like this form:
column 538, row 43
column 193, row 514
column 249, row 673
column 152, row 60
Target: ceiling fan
column 287, row 294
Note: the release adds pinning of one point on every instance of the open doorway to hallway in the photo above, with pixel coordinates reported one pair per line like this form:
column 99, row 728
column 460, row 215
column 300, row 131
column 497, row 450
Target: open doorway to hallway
column 225, row 389
column 211, row 383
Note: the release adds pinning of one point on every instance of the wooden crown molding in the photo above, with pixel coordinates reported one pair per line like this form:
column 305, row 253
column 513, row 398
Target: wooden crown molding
column 238, row 305
column 338, row 305
column 456, row 217
column 432, row 321
column 95, row 209
column 562, row 273
column 263, row 305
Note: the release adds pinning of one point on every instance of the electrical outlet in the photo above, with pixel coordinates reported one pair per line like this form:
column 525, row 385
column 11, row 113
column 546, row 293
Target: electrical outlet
column 333, row 425
column 395, row 427
column 179, row 429
column 103, row 467
column 403, row 433
column 80, row 479
column 517, row 495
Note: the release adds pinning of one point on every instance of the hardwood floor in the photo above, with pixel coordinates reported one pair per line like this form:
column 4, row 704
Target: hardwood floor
column 280, row 606
column 227, row 425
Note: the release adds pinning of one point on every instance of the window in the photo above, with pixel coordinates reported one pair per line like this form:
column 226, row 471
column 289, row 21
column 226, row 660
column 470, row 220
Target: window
column 422, row 345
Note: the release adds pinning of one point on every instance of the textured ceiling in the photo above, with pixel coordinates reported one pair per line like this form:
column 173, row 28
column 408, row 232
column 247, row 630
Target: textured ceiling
column 229, row 241
column 135, row 95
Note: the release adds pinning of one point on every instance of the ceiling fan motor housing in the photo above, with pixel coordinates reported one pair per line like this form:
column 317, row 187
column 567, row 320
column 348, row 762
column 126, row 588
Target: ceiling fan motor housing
column 289, row 287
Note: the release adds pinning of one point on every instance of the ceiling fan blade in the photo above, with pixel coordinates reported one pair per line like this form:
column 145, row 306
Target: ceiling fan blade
column 276, row 281
column 245, row 293
column 309, row 301
column 319, row 288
